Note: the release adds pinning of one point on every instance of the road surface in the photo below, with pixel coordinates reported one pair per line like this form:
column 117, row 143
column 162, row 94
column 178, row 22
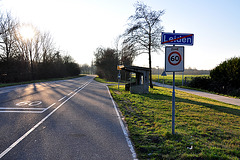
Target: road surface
column 71, row 119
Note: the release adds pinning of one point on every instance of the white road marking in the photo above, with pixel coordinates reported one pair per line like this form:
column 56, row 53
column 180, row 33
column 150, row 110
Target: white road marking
column 134, row 155
column 75, row 89
column 35, row 103
column 22, row 103
column 70, row 93
column 2, row 108
column 62, row 98
column 25, row 110
column 48, row 107
column 33, row 128
column 20, row 111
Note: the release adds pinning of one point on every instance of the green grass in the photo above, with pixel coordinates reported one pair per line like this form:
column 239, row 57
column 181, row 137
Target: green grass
column 37, row 81
column 210, row 127
column 105, row 81
column 169, row 79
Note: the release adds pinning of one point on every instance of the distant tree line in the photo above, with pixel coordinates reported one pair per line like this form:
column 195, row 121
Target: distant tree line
column 187, row 71
column 28, row 59
column 88, row 69
column 224, row 79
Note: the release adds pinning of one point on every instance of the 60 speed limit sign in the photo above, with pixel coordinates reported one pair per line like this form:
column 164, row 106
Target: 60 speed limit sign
column 174, row 58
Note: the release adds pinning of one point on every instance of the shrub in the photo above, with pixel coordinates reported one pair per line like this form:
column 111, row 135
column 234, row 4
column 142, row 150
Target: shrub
column 227, row 73
column 226, row 76
column 200, row 82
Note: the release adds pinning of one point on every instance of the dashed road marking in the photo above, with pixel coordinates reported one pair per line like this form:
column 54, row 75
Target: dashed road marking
column 48, row 107
column 75, row 89
column 62, row 98
column 70, row 93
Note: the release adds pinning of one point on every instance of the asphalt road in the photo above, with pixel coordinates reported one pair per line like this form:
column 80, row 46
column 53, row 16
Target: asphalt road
column 71, row 119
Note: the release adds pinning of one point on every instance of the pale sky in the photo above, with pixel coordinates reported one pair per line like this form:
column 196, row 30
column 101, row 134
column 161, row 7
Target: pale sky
column 80, row 26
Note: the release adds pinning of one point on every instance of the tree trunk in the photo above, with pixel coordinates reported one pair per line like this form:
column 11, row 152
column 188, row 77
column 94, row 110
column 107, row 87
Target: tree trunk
column 150, row 73
column 150, row 59
column 31, row 61
column 150, row 65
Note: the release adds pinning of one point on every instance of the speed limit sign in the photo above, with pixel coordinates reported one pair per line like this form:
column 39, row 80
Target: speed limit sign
column 174, row 58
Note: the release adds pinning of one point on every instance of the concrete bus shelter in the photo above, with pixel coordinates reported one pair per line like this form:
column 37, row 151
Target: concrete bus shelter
column 142, row 79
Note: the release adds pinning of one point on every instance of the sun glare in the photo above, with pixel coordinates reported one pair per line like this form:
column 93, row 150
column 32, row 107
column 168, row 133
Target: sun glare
column 27, row 32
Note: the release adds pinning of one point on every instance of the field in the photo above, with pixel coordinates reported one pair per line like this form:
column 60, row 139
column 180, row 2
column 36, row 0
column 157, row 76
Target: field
column 178, row 79
column 205, row 129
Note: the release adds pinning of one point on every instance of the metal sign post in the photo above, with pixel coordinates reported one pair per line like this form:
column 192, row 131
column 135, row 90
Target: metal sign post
column 119, row 77
column 173, row 105
column 119, row 68
column 174, row 62
column 163, row 74
column 174, row 58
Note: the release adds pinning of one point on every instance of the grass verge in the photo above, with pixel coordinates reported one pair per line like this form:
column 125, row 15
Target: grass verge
column 205, row 128
column 105, row 81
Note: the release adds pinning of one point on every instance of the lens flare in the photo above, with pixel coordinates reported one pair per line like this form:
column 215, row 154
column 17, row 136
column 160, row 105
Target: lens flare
column 27, row 32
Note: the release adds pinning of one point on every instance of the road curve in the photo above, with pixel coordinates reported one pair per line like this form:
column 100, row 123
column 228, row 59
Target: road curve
column 71, row 119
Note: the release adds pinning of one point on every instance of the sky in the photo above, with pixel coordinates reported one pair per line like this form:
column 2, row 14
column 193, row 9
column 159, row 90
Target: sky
column 79, row 27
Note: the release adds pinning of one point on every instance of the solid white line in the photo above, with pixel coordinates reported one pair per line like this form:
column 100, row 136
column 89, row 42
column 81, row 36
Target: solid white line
column 22, row 108
column 20, row 111
column 32, row 129
column 62, row 98
column 134, row 155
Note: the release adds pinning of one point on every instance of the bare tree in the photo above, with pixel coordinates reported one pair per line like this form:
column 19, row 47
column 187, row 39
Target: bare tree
column 126, row 52
column 127, row 55
column 7, row 30
column 30, row 56
column 47, row 47
column 144, row 32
